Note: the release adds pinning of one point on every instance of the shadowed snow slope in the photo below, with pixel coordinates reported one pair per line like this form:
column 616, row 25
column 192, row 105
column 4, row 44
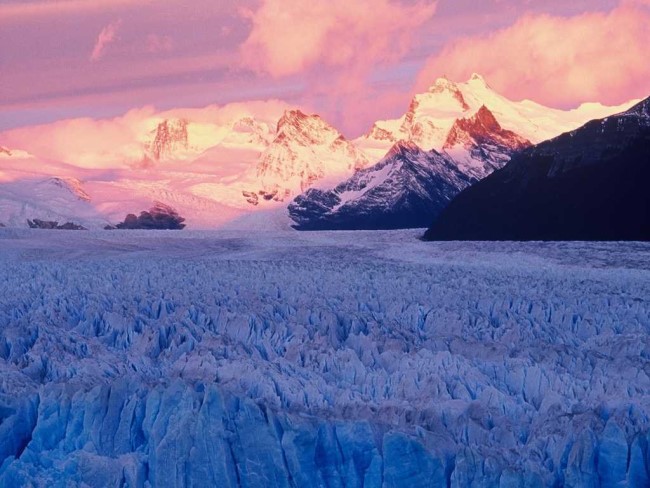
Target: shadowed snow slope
column 133, row 358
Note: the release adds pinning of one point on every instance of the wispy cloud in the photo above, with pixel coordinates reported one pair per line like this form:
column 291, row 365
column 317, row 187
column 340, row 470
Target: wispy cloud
column 107, row 36
column 22, row 10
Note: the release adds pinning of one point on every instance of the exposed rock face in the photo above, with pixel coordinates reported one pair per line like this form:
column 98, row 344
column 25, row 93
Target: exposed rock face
column 483, row 129
column 51, row 224
column 479, row 144
column 171, row 135
column 159, row 217
column 588, row 184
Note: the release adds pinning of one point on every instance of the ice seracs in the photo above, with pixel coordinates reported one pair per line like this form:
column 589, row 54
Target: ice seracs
column 148, row 359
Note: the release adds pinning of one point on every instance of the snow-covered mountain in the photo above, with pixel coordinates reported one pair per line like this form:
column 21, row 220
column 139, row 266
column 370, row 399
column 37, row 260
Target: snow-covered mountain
column 479, row 145
column 306, row 149
column 431, row 116
column 468, row 124
column 219, row 164
column 407, row 188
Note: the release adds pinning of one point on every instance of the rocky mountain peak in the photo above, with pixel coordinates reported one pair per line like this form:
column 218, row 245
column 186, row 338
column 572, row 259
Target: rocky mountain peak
column 442, row 84
column 477, row 79
column 483, row 128
column 380, row 134
column 403, row 148
column 294, row 118
column 170, row 135
column 305, row 130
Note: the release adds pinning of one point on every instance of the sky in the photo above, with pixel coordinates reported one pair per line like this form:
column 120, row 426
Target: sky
column 351, row 61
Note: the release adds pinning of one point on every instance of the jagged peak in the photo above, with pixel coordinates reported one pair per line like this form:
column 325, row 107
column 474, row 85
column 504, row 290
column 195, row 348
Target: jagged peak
column 169, row 134
column 483, row 126
column 377, row 132
column 295, row 117
column 172, row 124
column 442, row 84
column 486, row 118
column 446, row 87
column 477, row 78
column 403, row 147
column 247, row 124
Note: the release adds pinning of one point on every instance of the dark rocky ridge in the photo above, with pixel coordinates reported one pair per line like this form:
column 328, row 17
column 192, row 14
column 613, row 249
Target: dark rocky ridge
column 588, row 184
column 53, row 225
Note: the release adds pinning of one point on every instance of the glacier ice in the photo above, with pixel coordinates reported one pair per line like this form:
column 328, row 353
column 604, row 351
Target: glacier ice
column 348, row 359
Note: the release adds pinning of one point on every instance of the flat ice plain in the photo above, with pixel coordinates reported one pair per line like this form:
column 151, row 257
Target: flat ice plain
column 348, row 359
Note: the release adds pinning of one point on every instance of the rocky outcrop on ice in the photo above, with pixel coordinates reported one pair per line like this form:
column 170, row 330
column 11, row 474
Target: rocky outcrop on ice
column 51, row 224
column 158, row 217
column 407, row 189
column 323, row 360
column 586, row 184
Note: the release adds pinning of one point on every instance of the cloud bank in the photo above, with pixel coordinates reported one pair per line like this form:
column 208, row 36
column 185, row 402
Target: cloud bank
column 558, row 61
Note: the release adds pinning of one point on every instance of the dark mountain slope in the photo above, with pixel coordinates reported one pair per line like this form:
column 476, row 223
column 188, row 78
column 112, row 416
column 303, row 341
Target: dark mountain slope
column 589, row 184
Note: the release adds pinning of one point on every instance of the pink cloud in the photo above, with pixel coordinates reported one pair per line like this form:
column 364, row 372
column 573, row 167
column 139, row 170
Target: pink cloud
column 119, row 141
column 107, row 36
column 290, row 36
column 555, row 60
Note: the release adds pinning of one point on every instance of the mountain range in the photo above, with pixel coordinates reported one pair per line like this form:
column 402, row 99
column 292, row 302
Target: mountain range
column 217, row 166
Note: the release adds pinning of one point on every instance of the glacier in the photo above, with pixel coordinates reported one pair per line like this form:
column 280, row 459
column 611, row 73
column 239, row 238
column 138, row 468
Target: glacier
column 329, row 359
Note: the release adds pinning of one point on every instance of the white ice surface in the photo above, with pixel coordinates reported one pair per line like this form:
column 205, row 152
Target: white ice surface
column 321, row 359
